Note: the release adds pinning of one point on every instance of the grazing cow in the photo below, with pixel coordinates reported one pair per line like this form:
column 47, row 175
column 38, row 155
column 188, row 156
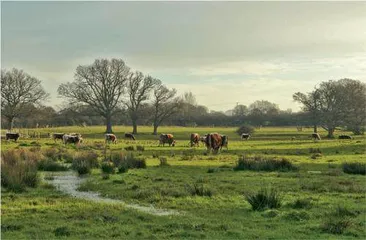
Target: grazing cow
column 213, row 141
column 130, row 136
column 76, row 139
column 195, row 139
column 166, row 138
column 224, row 142
column 109, row 137
column 245, row 136
column 344, row 137
column 203, row 139
column 315, row 136
column 56, row 136
column 14, row 136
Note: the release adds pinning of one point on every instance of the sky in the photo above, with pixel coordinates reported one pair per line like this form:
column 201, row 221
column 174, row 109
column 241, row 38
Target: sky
column 223, row 52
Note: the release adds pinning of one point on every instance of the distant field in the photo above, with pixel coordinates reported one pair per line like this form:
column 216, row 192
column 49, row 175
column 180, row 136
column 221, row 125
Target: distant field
column 224, row 213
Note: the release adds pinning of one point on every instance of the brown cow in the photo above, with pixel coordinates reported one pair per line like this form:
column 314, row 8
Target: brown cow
column 110, row 137
column 213, row 141
column 14, row 136
column 195, row 139
column 130, row 136
column 166, row 138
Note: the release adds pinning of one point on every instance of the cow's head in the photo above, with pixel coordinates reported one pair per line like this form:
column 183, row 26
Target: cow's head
column 173, row 143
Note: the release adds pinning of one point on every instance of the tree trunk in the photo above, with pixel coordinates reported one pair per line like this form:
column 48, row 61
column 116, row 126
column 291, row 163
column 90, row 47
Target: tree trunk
column 331, row 132
column 155, row 129
column 315, row 128
column 109, row 124
column 10, row 122
column 134, row 124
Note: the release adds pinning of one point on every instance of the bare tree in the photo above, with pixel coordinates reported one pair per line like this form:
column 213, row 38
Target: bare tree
column 19, row 90
column 164, row 104
column 99, row 85
column 138, row 90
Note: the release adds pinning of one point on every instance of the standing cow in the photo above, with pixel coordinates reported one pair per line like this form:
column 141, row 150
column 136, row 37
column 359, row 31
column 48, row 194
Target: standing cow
column 224, row 142
column 56, row 136
column 245, row 136
column 14, row 136
column 110, row 137
column 76, row 139
column 315, row 136
column 213, row 141
column 195, row 139
column 166, row 138
column 130, row 136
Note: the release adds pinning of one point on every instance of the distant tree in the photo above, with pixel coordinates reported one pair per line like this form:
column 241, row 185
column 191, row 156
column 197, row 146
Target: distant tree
column 240, row 110
column 138, row 91
column 337, row 103
column 311, row 104
column 245, row 129
column 100, row 85
column 189, row 98
column 164, row 105
column 18, row 90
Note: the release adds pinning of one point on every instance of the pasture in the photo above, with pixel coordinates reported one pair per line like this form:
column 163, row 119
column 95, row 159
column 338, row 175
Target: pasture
column 317, row 199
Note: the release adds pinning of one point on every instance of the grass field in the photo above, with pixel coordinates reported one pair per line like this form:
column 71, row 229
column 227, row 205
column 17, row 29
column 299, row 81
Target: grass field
column 317, row 199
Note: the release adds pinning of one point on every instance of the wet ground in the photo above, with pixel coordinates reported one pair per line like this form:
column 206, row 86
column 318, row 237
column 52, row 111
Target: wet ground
column 68, row 182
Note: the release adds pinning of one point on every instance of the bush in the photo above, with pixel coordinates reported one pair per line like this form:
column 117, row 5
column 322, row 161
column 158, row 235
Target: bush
column 354, row 168
column 84, row 161
column 198, row 189
column 140, row 148
column 108, row 167
column 129, row 148
column 262, row 164
column 19, row 169
column 49, row 165
column 264, row 199
column 163, row 162
column 245, row 129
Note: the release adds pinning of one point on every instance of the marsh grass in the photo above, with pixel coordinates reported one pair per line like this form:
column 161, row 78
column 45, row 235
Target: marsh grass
column 83, row 162
column 354, row 168
column 259, row 163
column 264, row 198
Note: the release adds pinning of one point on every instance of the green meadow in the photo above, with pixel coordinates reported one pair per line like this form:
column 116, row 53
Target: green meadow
column 317, row 199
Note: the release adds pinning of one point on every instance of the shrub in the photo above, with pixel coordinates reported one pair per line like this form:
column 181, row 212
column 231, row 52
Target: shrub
column 264, row 164
column 140, row 148
column 108, row 167
column 129, row 148
column 84, row 161
column 19, row 169
column 163, row 162
column 264, row 199
column 49, row 165
column 354, row 168
column 198, row 189
column 301, row 203
column 245, row 129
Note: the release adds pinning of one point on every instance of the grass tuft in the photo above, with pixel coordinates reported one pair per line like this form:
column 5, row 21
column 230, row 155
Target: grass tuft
column 354, row 168
column 259, row 163
column 264, row 199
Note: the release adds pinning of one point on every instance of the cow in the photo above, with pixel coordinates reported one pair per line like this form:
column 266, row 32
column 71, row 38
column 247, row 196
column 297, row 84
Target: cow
column 195, row 139
column 130, row 136
column 224, row 142
column 14, row 136
column 56, row 136
column 213, row 141
column 245, row 136
column 76, row 139
column 315, row 136
column 109, row 137
column 344, row 137
column 166, row 138
column 203, row 139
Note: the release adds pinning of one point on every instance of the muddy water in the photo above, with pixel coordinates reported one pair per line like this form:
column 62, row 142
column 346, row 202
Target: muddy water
column 68, row 182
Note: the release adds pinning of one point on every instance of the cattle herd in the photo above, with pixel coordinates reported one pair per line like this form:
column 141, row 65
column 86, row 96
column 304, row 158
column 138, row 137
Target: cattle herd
column 213, row 141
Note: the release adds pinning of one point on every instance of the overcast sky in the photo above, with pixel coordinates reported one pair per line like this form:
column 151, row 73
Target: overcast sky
column 223, row 52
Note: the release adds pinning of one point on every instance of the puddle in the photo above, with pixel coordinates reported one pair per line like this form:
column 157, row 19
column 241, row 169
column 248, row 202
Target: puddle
column 68, row 183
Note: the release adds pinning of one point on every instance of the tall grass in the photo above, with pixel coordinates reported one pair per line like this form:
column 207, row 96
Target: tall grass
column 19, row 169
column 127, row 161
column 259, row 163
column 84, row 161
column 354, row 168
column 264, row 199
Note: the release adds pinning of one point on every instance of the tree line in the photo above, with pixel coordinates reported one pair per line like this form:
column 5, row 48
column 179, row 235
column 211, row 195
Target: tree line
column 107, row 92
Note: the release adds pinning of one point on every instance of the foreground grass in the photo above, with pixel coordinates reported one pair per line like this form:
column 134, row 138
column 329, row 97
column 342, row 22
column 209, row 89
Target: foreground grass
column 309, row 195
